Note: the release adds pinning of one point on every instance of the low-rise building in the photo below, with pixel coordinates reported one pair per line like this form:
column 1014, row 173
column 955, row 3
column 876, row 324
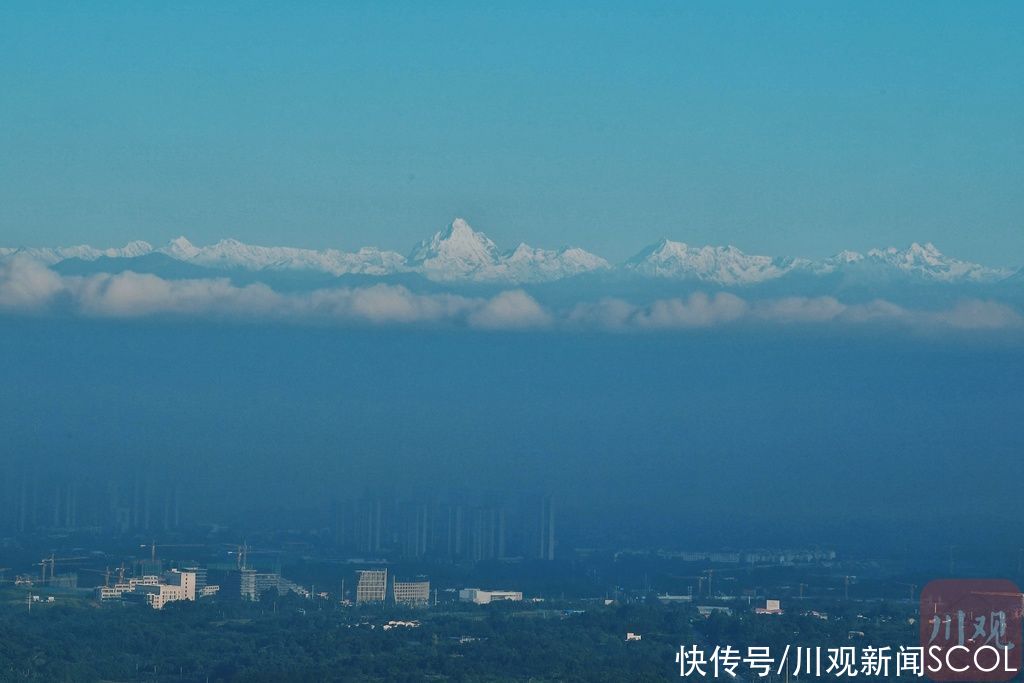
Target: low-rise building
column 153, row 590
column 117, row 591
column 708, row 610
column 482, row 597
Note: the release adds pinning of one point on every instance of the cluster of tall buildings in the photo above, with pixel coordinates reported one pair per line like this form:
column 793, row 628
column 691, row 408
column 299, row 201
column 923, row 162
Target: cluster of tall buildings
column 451, row 530
column 116, row 502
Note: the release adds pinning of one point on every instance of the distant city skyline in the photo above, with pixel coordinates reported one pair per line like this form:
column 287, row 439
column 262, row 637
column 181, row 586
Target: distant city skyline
column 801, row 130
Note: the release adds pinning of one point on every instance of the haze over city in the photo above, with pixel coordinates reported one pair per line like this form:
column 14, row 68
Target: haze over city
column 553, row 338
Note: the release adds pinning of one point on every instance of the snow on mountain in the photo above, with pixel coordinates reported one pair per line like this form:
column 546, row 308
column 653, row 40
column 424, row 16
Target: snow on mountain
column 530, row 264
column 918, row 261
column 51, row 255
column 230, row 253
column 720, row 265
column 930, row 263
column 459, row 252
column 454, row 253
column 180, row 248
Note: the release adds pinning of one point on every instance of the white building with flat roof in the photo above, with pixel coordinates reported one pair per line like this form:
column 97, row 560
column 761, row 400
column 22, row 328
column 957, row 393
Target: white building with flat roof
column 155, row 591
column 482, row 597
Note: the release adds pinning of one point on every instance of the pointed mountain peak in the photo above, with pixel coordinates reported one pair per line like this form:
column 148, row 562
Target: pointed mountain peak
column 180, row 248
column 522, row 251
column 135, row 248
column 458, row 249
column 460, row 229
column 660, row 250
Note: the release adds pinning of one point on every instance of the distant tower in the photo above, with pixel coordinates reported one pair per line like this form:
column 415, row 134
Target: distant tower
column 24, row 506
column 136, row 503
column 452, row 531
column 57, row 495
column 546, row 535
column 415, row 529
column 368, row 526
column 176, row 507
column 71, row 506
column 487, row 533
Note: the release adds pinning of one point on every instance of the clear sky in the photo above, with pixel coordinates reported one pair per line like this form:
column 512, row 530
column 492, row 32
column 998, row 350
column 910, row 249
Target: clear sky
column 781, row 128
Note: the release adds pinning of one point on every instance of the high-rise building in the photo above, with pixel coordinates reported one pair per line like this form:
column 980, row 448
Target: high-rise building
column 368, row 524
column 341, row 521
column 201, row 577
column 415, row 529
column 487, row 533
column 183, row 579
column 247, row 585
column 544, row 541
column 372, row 586
column 451, row 531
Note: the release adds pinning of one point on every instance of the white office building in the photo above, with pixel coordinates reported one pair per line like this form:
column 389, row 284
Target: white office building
column 482, row 597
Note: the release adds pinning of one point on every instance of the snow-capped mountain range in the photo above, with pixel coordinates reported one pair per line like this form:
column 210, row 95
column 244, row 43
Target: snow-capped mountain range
column 461, row 254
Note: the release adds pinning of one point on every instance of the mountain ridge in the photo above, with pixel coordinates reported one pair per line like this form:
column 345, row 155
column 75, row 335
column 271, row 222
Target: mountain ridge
column 459, row 253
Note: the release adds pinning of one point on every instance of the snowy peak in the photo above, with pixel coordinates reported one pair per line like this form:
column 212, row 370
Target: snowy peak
column 52, row 255
column 530, row 264
column 180, row 248
column 461, row 253
column 456, row 251
column 720, row 265
column 730, row 266
column 231, row 253
column 927, row 262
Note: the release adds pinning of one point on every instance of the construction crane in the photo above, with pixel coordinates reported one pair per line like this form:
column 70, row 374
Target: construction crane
column 911, row 586
column 700, row 582
column 52, row 561
column 710, row 573
column 846, row 585
column 242, row 555
column 104, row 572
column 152, row 547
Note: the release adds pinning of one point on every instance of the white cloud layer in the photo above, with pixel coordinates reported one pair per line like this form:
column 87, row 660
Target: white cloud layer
column 28, row 286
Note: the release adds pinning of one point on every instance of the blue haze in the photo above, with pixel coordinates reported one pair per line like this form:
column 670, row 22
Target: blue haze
column 795, row 129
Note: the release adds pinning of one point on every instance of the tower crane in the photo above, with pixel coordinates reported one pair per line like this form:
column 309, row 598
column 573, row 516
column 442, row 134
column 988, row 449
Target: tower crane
column 152, row 547
column 911, row 586
column 52, row 561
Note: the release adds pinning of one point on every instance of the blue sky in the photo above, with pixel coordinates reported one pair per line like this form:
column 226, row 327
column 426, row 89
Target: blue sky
column 793, row 128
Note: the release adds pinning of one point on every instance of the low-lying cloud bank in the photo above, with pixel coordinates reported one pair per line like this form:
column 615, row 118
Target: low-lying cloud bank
column 28, row 286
